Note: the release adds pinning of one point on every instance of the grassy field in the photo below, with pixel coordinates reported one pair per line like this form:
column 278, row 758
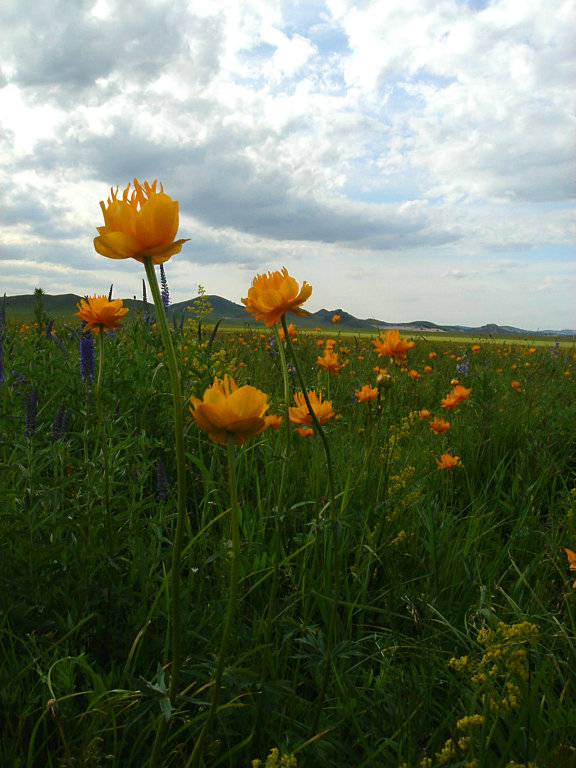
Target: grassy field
column 385, row 611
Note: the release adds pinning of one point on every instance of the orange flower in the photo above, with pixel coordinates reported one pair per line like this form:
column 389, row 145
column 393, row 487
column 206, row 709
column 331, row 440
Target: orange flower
column 273, row 294
column 447, row 461
column 291, row 332
column 439, row 425
column 450, row 401
column 305, row 431
column 336, row 318
column 427, row 369
column 516, row 385
column 424, row 413
column 460, row 392
column 367, row 393
column 141, row 224
column 392, row 345
column 572, row 561
column 330, row 362
column 413, row 374
column 531, row 350
column 476, row 348
column 300, row 414
column 273, row 421
column 99, row 314
column 431, row 355
column 229, row 409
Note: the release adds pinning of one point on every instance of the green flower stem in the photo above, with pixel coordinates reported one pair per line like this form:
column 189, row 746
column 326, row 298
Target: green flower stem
column 175, row 627
column 335, row 535
column 231, row 607
column 103, row 438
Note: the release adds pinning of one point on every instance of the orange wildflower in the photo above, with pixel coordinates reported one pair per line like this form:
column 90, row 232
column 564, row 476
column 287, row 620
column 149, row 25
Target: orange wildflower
column 447, row 461
column 427, row 369
column 336, row 318
column 476, row 348
column 572, row 561
column 431, row 355
column 142, row 224
column 228, row 409
column 273, row 294
column 291, row 332
column 330, row 362
column 99, row 314
column 300, row 414
column 366, row 394
column 439, row 425
column 305, row 431
column 460, row 392
column 413, row 374
column 392, row 345
column 450, row 401
column 424, row 413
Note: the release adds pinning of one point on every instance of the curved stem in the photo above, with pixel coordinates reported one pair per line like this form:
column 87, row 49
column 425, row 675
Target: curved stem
column 231, row 607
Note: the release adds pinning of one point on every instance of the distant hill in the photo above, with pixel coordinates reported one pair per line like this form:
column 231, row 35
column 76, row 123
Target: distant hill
column 64, row 306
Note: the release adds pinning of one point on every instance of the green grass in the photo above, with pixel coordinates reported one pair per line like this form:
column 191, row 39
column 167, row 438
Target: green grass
column 433, row 565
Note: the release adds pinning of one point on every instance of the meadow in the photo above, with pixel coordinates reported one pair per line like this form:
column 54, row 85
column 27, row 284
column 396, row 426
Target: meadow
column 348, row 596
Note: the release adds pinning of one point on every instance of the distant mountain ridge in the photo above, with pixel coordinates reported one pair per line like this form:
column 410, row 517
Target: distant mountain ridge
column 64, row 305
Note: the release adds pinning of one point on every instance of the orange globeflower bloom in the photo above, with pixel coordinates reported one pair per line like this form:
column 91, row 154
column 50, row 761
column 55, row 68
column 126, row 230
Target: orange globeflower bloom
column 300, row 414
column 99, row 314
column 291, row 332
column 273, row 421
column 330, row 362
column 460, row 392
column 367, row 393
column 141, row 224
column 273, row 294
column 305, row 431
column 336, row 318
column 572, row 561
column 413, row 374
column 476, row 348
column 431, row 355
column 439, row 425
column 392, row 345
column 447, row 461
column 229, row 409
column 427, row 369
column 424, row 413
column 450, row 401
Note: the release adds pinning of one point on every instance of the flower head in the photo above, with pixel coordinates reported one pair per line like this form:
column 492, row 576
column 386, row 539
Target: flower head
column 392, row 345
column 439, row 425
column 273, row 294
column 300, row 414
column 99, row 314
column 330, row 361
column 141, row 224
column 228, row 409
column 571, row 560
column 367, row 393
column 447, row 461
column 336, row 318
column 291, row 332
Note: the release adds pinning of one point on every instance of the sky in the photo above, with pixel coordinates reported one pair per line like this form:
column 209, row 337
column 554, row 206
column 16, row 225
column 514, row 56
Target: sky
column 410, row 159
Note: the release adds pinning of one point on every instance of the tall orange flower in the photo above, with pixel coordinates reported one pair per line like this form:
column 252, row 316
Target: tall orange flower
column 300, row 414
column 447, row 461
column 99, row 314
column 228, row 409
column 330, row 362
column 366, row 394
column 439, row 425
column 143, row 223
column 273, row 294
column 392, row 345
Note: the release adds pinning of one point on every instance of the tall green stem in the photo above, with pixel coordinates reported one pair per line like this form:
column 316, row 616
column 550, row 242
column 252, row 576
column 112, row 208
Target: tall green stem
column 175, row 628
column 231, row 607
column 335, row 537
column 104, row 439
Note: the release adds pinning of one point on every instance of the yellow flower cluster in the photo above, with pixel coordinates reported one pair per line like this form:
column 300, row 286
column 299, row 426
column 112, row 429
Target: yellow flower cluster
column 275, row 760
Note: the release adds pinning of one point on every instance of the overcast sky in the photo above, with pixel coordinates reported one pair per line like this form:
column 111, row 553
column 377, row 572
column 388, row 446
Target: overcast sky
column 410, row 159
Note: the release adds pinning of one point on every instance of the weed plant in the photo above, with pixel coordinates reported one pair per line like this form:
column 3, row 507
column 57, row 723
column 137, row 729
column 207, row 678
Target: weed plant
column 454, row 635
